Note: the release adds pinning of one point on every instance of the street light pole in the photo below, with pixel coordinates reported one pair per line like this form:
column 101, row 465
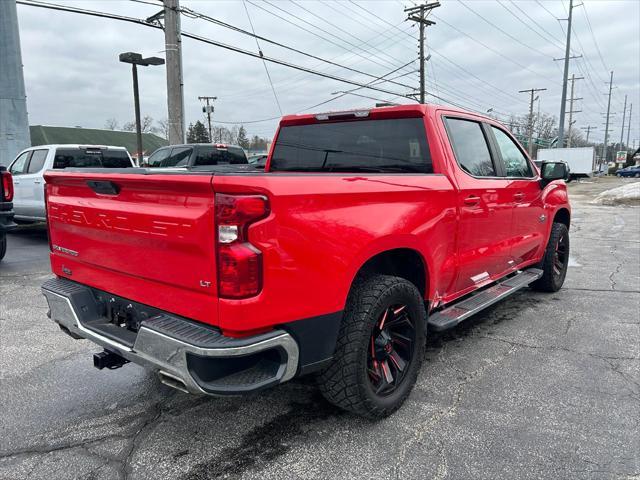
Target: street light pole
column 136, row 101
column 136, row 59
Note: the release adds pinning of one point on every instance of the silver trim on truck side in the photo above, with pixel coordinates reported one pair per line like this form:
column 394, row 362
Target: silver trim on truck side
column 168, row 355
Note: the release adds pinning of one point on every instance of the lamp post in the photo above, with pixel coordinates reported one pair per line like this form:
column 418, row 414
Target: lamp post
column 136, row 59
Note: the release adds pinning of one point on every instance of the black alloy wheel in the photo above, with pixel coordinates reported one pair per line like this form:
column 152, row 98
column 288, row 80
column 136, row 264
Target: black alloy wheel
column 391, row 350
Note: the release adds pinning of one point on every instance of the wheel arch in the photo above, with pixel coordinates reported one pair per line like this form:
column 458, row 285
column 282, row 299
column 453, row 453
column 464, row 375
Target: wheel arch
column 403, row 262
column 562, row 215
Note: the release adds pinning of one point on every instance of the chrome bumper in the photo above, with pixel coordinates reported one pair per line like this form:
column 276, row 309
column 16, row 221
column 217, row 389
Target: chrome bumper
column 183, row 352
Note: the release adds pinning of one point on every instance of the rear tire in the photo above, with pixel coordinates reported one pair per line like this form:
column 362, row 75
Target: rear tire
column 555, row 261
column 380, row 347
column 3, row 245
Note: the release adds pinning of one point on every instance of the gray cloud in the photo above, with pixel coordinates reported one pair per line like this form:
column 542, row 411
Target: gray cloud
column 73, row 76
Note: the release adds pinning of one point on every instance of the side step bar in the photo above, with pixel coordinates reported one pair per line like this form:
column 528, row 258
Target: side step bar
column 456, row 313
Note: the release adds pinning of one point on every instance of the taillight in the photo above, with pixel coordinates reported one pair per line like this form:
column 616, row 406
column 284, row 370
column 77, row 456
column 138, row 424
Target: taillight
column 7, row 186
column 46, row 215
column 239, row 262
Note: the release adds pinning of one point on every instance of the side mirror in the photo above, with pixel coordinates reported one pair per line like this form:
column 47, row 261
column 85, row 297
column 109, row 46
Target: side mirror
column 550, row 171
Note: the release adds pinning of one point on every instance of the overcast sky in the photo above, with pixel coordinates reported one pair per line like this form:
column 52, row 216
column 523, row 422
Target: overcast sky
column 73, row 76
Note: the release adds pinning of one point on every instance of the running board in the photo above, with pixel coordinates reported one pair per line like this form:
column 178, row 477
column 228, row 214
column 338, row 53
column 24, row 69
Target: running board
column 456, row 313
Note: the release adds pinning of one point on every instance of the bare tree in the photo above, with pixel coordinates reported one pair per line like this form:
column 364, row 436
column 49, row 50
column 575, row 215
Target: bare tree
column 146, row 125
column 111, row 124
column 129, row 126
column 163, row 127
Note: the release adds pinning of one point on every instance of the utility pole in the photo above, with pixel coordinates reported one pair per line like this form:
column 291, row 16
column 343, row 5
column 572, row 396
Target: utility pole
column 530, row 123
column 208, row 109
column 571, row 110
column 629, row 124
column 624, row 119
column 14, row 122
column 565, row 75
column 606, row 128
column 173, row 49
column 588, row 128
column 419, row 14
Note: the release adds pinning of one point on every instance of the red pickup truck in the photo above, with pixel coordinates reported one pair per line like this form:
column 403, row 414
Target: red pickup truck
column 364, row 230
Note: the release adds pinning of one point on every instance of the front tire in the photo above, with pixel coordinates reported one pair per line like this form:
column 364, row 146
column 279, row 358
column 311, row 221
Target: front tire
column 380, row 347
column 555, row 262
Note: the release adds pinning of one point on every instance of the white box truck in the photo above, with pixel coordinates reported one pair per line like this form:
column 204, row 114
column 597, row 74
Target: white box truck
column 582, row 160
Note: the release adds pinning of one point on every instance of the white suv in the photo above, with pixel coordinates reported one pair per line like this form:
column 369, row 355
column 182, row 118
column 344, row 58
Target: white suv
column 29, row 166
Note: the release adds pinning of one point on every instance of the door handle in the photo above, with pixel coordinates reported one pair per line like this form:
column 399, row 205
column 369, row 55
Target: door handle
column 15, row 182
column 472, row 200
column 518, row 196
column 37, row 181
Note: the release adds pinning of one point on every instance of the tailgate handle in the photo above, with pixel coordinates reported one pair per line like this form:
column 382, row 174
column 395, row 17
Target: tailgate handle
column 105, row 187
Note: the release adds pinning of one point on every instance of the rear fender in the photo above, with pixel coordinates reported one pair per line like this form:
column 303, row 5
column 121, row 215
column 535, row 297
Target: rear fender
column 385, row 244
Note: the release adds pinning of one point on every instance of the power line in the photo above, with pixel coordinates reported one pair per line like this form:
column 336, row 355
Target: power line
column 550, row 35
column 509, row 59
column 498, row 89
column 525, row 23
column 36, row 3
column 315, row 34
column 266, row 69
column 195, row 14
column 515, row 39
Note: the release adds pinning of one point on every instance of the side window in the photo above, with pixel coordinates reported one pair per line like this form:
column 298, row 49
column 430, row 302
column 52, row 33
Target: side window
column 20, row 165
column 37, row 161
column 515, row 163
column 155, row 160
column 470, row 147
column 179, row 157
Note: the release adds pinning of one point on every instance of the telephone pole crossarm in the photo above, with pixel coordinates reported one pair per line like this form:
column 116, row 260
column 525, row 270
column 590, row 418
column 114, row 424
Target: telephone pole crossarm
column 532, row 92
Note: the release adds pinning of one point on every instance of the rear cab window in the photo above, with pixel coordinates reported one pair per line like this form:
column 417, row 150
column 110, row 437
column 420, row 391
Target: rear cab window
column 386, row 145
column 213, row 155
column 90, row 158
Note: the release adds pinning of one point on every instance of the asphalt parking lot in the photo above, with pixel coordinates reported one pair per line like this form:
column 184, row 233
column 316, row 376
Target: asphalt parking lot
column 539, row 386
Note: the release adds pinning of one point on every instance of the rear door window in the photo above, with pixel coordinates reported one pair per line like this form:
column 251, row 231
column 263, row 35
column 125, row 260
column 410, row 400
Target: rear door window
column 394, row 145
column 19, row 166
column 37, row 160
column 470, row 147
column 179, row 157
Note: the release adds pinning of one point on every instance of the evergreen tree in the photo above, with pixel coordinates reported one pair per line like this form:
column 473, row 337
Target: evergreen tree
column 197, row 133
column 243, row 141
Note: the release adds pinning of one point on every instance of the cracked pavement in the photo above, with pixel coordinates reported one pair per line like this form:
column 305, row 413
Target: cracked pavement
column 538, row 386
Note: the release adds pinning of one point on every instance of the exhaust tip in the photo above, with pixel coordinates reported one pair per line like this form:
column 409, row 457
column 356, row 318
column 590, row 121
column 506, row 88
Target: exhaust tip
column 173, row 382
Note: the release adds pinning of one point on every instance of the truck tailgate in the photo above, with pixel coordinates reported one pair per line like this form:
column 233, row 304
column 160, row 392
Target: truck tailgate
column 145, row 237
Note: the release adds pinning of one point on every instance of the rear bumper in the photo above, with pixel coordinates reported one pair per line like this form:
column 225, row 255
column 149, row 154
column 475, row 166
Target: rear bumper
column 189, row 356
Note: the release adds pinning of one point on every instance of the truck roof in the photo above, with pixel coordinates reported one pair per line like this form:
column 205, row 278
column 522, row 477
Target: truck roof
column 75, row 145
column 398, row 111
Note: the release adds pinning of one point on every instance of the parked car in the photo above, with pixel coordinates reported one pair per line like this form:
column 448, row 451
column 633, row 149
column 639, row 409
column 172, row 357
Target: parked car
column 29, row 166
column 364, row 229
column 196, row 155
column 6, row 208
column 629, row 172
